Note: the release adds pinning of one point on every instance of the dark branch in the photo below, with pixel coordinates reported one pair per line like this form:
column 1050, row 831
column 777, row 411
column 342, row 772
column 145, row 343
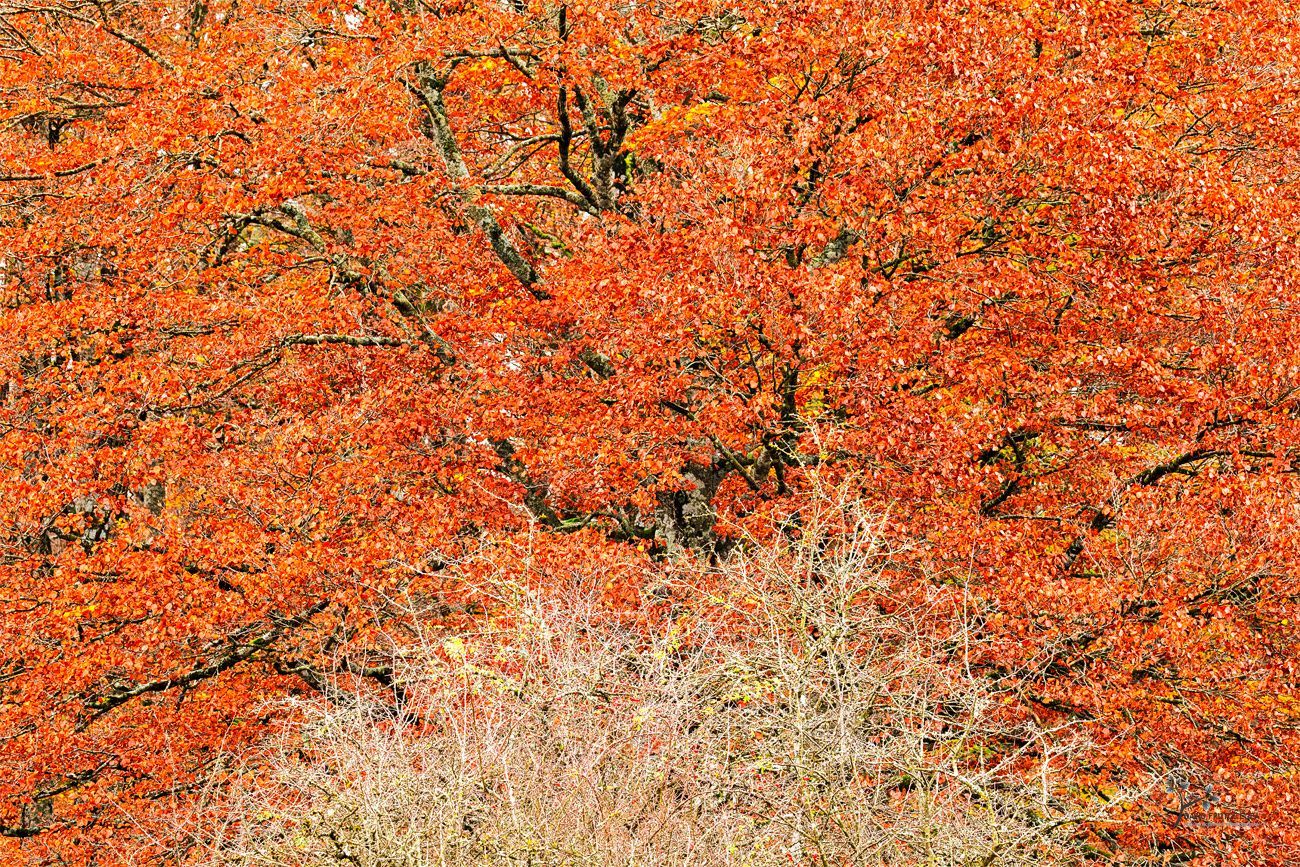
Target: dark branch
column 238, row 653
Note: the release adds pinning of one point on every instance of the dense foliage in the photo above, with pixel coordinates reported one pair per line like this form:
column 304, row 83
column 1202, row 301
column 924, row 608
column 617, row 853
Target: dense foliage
column 302, row 298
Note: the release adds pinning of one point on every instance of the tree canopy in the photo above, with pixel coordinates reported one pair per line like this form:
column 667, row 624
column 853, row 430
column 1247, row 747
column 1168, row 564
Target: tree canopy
column 304, row 298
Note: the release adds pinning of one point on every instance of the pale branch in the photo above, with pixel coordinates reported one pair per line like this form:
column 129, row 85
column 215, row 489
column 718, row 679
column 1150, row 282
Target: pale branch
column 440, row 347
column 599, row 364
column 540, row 190
column 523, row 61
column 142, row 48
column 12, row 30
column 314, row 678
column 606, row 152
column 325, row 682
column 833, row 251
column 737, row 462
column 619, row 124
column 498, row 165
column 535, row 493
column 590, row 121
column 302, row 228
column 291, row 220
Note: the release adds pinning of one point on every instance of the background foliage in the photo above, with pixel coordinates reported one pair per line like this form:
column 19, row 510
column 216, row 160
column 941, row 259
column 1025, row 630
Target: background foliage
column 303, row 300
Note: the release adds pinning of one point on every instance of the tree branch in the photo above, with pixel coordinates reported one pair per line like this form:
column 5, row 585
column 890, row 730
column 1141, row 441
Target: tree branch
column 120, row 695
column 345, row 339
column 428, row 89
column 62, row 173
column 541, row 190
column 566, row 141
column 1105, row 514
column 131, row 40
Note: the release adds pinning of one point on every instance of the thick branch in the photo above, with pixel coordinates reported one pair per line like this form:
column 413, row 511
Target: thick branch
column 1158, row 472
column 836, row 248
column 429, row 91
column 540, row 190
column 345, row 339
column 590, row 121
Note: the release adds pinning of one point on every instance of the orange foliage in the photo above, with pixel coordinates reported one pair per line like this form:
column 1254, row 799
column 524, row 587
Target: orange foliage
column 304, row 297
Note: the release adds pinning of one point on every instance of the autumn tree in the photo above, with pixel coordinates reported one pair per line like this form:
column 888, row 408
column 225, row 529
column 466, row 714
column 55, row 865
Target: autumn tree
column 302, row 299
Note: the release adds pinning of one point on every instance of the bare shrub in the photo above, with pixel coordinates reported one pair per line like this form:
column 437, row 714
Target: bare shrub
column 784, row 709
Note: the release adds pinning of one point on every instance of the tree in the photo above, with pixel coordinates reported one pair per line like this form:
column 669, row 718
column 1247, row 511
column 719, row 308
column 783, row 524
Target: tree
column 303, row 298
